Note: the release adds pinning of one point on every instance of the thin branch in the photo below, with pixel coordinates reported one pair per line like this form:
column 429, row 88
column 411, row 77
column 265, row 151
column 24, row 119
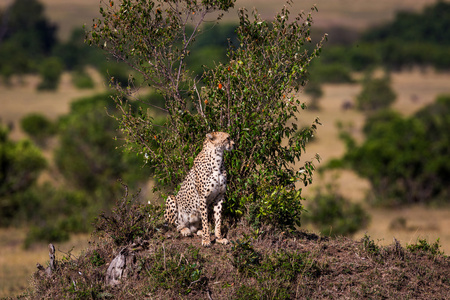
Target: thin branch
column 164, row 251
column 187, row 43
column 200, row 110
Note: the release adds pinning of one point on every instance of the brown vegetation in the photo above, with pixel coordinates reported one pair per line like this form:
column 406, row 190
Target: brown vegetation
column 269, row 266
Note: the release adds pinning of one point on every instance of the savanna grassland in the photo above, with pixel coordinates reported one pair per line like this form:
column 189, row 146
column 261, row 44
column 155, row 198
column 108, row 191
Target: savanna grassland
column 430, row 223
column 414, row 89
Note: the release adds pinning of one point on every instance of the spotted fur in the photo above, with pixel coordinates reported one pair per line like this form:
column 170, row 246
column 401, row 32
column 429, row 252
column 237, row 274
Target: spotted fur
column 203, row 188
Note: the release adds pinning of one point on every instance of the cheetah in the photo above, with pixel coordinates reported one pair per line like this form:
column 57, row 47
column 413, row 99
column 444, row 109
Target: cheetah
column 203, row 188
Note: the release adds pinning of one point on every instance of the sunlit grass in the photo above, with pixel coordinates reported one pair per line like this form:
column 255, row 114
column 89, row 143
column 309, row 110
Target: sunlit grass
column 17, row 264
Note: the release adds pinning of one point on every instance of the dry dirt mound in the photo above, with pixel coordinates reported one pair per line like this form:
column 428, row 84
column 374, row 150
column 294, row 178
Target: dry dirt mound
column 269, row 266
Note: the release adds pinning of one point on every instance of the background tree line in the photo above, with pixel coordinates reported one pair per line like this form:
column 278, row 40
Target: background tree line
column 86, row 157
column 28, row 44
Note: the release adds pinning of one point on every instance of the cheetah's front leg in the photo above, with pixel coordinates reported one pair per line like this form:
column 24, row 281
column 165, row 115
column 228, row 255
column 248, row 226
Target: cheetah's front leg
column 218, row 220
column 206, row 241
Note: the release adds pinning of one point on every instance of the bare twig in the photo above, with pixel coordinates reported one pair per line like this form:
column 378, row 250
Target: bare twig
column 200, row 110
column 164, row 252
column 193, row 282
column 208, row 292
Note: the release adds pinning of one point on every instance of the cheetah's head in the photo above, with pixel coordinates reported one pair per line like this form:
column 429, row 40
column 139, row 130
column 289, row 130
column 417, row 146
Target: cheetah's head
column 220, row 140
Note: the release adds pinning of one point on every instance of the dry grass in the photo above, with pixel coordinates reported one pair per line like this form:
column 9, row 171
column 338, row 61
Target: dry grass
column 430, row 223
column 17, row 264
column 22, row 98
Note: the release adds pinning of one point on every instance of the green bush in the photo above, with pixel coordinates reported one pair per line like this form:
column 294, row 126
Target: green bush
column 314, row 90
column 376, row 94
column 53, row 213
column 335, row 215
column 277, row 206
column 82, row 80
column 50, row 70
column 27, row 36
column 75, row 54
column 423, row 246
column 405, row 159
column 21, row 163
column 96, row 259
column 369, row 246
column 87, row 156
column 363, row 57
column 46, row 233
column 13, row 60
column 432, row 25
column 38, row 127
column 274, row 273
column 331, row 73
column 413, row 38
column 250, row 96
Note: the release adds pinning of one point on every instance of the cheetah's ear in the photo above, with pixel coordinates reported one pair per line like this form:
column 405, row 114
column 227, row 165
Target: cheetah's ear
column 210, row 136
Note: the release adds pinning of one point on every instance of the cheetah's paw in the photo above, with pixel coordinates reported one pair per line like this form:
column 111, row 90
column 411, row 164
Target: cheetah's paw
column 222, row 241
column 185, row 231
column 206, row 243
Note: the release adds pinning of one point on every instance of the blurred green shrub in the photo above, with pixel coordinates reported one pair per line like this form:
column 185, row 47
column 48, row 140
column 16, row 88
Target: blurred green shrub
column 75, row 54
column 82, row 80
column 411, row 39
column 46, row 210
column 13, row 60
column 38, row 127
column 46, row 233
column 431, row 25
column 405, row 159
column 333, row 214
column 20, row 165
column 376, row 94
column 314, row 89
column 88, row 156
column 330, row 73
column 50, row 70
